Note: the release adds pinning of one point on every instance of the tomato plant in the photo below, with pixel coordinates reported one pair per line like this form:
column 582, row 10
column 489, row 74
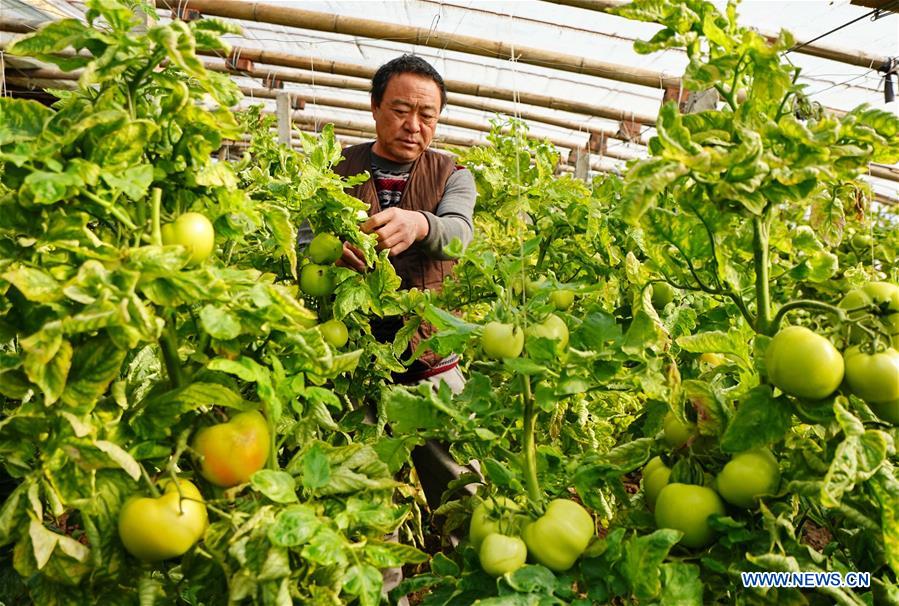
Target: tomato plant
column 687, row 507
column 558, row 537
column 324, row 249
column 748, row 476
column 874, row 377
column 562, row 298
column 500, row 554
column 662, row 294
column 675, row 432
column 804, row 364
column 154, row 529
column 655, row 477
column 500, row 340
column 194, row 232
column 553, row 328
column 335, row 332
column 316, row 280
column 231, row 452
column 494, row 515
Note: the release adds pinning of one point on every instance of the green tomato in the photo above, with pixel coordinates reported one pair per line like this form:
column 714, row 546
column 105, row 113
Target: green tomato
column 748, row 476
column 562, row 298
column 862, row 241
column 687, row 507
column 316, row 280
column 675, row 432
column 803, row 364
column 166, row 527
column 873, row 377
column 500, row 554
column 194, row 232
column 231, row 452
column 662, row 294
column 324, row 249
column 552, row 328
column 888, row 411
column 654, row 481
column 500, row 340
column 559, row 537
column 653, row 464
column 873, row 293
column 496, row 515
column 334, row 332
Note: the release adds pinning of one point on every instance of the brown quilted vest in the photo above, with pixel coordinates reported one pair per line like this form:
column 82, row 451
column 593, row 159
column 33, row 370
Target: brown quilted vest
column 423, row 192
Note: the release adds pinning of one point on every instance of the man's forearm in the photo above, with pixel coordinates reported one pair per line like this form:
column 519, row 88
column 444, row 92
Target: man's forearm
column 452, row 218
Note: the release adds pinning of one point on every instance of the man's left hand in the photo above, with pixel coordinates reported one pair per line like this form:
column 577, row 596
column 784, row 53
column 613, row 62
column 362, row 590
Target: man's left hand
column 397, row 229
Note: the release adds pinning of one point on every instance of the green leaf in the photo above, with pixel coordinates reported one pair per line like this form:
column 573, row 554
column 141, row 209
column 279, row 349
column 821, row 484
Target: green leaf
column 364, row 581
column 34, row 284
column 284, row 232
column 326, row 548
column 45, row 187
column 643, row 556
column 294, row 526
column 533, row 579
column 388, row 555
column 886, row 489
column 408, row 412
column 95, row 364
column 278, row 486
column 715, row 341
column 120, row 457
column 220, row 323
column 21, row 119
column 316, row 468
column 134, row 181
column 124, row 146
column 841, row 476
column 50, row 375
column 681, row 585
column 160, row 411
column 760, row 419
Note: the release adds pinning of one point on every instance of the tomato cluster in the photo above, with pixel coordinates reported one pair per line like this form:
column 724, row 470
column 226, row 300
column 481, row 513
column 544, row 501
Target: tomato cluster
column 505, row 340
column 157, row 528
column 505, row 537
column 803, row 364
column 316, row 277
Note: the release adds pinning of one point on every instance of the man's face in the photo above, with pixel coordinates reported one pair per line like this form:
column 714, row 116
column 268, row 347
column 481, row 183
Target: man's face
column 406, row 118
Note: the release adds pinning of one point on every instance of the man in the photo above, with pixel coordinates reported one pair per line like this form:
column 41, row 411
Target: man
column 420, row 200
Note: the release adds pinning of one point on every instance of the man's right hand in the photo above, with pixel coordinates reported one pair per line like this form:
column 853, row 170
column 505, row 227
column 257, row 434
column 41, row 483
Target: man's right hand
column 352, row 257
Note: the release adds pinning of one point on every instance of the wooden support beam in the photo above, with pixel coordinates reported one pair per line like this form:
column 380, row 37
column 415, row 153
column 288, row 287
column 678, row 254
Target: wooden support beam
column 356, row 26
column 283, row 111
column 323, row 67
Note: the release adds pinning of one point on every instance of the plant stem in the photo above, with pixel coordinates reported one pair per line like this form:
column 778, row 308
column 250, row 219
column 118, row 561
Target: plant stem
column 168, row 343
column 804, row 304
column 156, row 204
column 154, row 492
column 530, row 445
column 762, row 292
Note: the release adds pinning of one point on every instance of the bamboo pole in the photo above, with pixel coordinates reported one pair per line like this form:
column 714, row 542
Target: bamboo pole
column 855, row 57
column 355, row 26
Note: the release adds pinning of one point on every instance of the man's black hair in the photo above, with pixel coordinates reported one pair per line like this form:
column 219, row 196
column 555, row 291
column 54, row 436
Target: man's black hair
column 406, row 64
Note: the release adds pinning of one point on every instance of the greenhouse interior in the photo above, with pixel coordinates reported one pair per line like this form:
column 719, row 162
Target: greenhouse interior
column 444, row 303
